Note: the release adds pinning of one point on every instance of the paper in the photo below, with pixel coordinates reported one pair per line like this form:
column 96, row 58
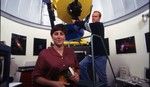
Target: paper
column 71, row 70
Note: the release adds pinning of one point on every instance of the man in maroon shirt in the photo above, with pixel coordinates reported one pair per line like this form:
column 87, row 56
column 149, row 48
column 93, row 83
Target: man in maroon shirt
column 52, row 68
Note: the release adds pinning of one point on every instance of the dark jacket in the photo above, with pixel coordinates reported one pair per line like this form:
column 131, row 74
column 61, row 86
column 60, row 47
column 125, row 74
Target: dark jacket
column 98, row 29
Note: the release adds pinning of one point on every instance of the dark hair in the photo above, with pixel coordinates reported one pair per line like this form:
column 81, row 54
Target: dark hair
column 58, row 27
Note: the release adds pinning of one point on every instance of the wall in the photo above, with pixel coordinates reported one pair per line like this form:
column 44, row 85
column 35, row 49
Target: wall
column 137, row 62
column 132, row 27
column 8, row 27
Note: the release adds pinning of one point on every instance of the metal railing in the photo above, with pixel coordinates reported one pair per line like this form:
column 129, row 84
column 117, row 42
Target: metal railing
column 92, row 51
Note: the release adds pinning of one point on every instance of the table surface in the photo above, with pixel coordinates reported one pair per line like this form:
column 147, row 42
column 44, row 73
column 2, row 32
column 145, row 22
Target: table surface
column 140, row 82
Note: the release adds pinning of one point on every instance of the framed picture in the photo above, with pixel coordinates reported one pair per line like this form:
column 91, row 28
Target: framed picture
column 39, row 44
column 147, row 39
column 18, row 44
column 107, row 45
column 126, row 45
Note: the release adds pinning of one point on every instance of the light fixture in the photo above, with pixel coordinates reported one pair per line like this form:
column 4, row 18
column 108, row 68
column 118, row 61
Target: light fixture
column 145, row 17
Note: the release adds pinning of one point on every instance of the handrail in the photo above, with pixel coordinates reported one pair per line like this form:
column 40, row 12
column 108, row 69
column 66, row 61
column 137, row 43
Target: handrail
column 93, row 60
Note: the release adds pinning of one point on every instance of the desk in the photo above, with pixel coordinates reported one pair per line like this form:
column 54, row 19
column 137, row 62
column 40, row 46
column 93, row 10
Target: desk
column 26, row 75
column 130, row 83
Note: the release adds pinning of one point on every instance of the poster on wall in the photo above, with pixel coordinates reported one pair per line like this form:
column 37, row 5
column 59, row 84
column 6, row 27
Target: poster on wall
column 18, row 44
column 39, row 44
column 147, row 39
column 107, row 45
column 126, row 45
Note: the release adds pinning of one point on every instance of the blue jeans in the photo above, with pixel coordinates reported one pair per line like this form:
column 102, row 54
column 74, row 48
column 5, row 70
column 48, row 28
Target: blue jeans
column 100, row 68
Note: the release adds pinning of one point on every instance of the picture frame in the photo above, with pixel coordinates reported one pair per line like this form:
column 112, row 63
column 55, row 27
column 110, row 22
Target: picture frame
column 147, row 39
column 18, row 44
column 125, row 45
column 106, row 42
column 39, row 45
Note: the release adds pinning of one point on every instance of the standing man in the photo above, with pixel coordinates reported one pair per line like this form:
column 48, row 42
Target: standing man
column 97, row 28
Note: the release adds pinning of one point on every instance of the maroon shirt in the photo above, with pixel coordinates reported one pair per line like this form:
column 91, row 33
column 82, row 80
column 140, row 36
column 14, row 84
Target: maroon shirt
column 50, row 62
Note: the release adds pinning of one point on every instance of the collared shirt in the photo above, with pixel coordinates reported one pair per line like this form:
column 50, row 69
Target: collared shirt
column 50, row 62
